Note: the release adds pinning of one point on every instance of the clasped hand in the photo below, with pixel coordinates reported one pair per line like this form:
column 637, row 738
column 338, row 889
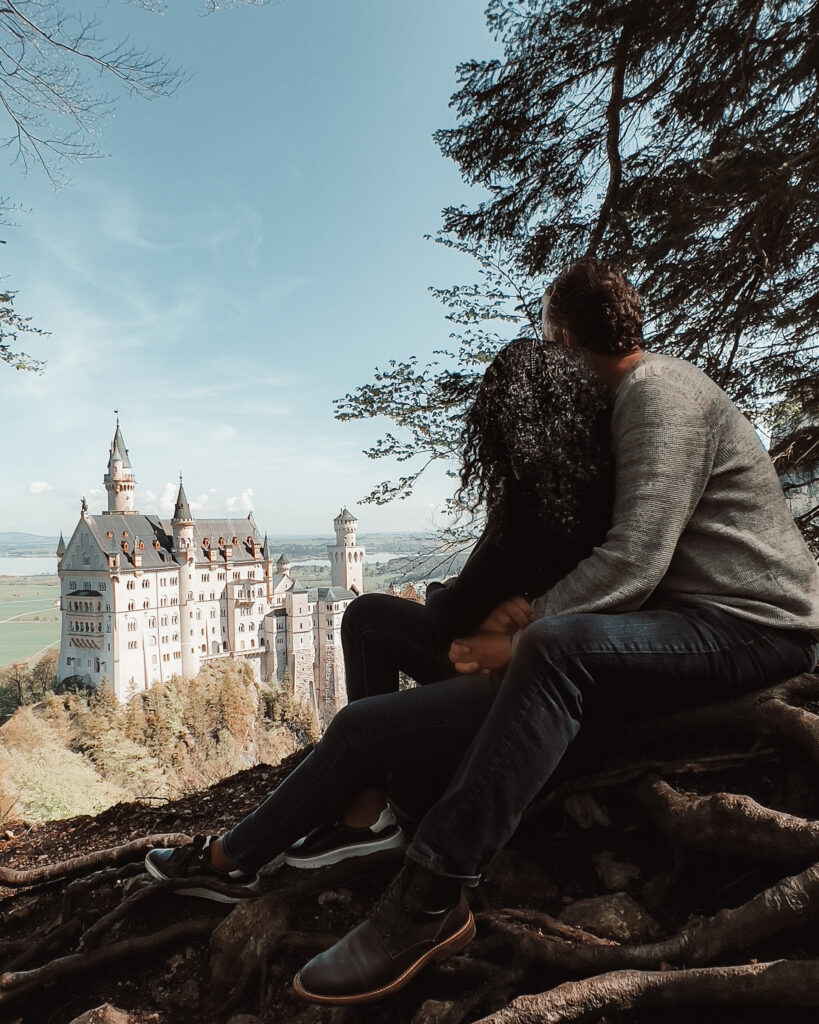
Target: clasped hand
column 491, row 646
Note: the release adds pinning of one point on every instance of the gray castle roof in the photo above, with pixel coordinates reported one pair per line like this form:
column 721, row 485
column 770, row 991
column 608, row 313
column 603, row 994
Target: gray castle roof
column 150, row 529
column 332, row 594
column 182, row 511
column 118, row 449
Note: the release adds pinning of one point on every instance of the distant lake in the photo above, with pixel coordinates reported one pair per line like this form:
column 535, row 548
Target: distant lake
column 36, row 565
column 17, row 565
column 369, row 559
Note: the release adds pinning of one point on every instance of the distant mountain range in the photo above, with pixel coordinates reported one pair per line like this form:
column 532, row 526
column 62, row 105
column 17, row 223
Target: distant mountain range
column 27, row 544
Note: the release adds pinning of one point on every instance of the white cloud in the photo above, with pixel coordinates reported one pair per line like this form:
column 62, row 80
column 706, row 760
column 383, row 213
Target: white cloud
column 38, row 487
column 199, row 504
column 167, row 499
column 244, row 503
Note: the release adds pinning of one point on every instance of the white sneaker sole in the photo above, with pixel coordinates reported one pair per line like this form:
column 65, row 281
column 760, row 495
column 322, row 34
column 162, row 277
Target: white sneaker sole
column 344, row 852
column 205, row 894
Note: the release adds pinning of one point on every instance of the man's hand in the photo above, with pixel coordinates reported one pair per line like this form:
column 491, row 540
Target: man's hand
column 481, row 652
column 509, row 617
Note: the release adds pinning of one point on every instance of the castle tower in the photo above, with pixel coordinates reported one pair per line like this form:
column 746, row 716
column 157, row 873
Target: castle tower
column 183, row 549
column 346, row 557
column 119, row 479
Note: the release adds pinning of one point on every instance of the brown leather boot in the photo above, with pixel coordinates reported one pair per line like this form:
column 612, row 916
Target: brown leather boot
column 420, row 917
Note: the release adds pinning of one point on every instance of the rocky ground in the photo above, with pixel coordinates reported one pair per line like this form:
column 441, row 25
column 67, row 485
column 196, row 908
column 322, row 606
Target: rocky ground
column 601, row 881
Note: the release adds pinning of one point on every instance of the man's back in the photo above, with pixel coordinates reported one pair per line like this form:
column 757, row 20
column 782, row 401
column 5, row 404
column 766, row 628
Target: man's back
column 699, row 511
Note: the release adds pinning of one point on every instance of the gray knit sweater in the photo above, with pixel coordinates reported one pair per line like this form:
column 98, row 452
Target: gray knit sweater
column 699, row 513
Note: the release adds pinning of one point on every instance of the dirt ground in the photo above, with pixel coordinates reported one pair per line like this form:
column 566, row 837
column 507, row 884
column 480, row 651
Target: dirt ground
column 549, row 863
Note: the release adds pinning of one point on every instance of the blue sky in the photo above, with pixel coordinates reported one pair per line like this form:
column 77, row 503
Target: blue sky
column 249, row 249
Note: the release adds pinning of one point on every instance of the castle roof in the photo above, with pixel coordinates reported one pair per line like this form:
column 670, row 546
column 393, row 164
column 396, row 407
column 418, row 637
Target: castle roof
column 157, row 537
column 182, row 511
column 346, row 515
column 61, row 546
column 332, row 594
column 118, row 449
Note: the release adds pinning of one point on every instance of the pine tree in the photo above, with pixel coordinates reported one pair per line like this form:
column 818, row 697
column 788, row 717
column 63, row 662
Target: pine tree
column 679, row 141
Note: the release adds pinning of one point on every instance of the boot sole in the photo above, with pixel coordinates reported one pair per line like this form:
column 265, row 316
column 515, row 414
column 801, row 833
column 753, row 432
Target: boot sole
column 321, row 860
column 456, row 942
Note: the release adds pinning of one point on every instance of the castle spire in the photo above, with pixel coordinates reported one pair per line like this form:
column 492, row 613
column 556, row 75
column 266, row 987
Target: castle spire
column 119, row 479
column 182, row 511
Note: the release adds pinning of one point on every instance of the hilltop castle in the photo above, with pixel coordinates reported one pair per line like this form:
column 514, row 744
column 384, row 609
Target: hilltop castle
column 144, row 598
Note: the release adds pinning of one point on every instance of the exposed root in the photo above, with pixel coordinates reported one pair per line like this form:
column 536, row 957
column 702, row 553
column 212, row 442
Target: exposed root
column 14, row 984
column 730, row 825
column 791, row 903
column 780, row 983
column 89, row 861
column 770, row 712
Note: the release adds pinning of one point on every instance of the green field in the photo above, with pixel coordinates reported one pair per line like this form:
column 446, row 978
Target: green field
column 29, row 620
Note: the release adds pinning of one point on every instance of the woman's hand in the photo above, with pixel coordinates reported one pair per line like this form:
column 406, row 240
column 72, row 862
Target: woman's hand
column 509, row 617
column 481, row 652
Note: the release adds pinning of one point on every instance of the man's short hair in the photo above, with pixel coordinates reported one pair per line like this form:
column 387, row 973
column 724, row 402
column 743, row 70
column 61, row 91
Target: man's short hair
column 596, row 302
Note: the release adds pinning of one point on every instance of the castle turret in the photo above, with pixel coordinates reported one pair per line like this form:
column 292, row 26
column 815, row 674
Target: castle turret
column 183, row 548
column 346, row 557
column 283, row 565
column 60, row 548
column 119, row 479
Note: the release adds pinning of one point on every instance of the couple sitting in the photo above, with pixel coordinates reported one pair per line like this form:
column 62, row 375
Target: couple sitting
column 639, row 556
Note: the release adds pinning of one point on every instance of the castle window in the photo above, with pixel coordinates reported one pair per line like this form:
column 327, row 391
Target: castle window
column 174, row 620
column 86, row 559
column 132, row 626
column 252, row 643
column 237, row 575
column 146, row 584
column 221, row 576
column 130, row 606
column 146, row 604
column 72, row 585
column 163, row 601
column 102, row 586
column 176, row 636
column 251, row 625
column 130, row 585
column 132, row 645
column 164, row 620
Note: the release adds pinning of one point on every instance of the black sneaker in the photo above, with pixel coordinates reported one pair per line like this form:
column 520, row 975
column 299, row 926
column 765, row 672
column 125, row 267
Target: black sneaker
column 329, row 844
column 193, row 860
column 420, row 918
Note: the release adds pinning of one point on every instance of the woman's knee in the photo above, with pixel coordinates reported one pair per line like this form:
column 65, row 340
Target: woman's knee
column 362, row 613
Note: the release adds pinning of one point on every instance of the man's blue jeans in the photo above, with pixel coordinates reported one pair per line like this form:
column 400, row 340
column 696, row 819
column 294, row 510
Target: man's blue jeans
column 498, row 738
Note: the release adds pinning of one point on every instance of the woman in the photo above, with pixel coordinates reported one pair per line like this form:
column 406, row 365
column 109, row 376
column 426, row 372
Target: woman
column 536, row 460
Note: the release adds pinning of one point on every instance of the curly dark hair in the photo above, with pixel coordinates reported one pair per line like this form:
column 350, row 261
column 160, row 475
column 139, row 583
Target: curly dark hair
column 536, row 438
column 597, row 303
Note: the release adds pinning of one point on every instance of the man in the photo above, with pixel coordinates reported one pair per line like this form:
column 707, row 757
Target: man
column 702, row 589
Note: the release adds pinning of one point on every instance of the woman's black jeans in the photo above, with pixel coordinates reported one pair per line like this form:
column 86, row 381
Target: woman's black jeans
column 497, row 738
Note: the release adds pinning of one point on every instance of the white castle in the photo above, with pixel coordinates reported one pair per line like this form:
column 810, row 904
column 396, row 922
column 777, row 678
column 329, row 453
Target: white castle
column 144, row 598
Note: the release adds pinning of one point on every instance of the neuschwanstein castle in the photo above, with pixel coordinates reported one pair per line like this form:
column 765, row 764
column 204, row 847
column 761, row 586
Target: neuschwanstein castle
column 145, row 598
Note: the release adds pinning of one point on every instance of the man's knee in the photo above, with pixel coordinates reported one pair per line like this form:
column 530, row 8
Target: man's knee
column 556, row 636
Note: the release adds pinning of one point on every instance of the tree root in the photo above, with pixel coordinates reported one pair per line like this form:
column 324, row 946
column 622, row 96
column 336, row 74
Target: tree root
column 729, row 824
column 114, row 855
column 791, row 903
column 92, row 935
column 771, row 712
column 779, row 983
column 638, row 769
column 14, row 984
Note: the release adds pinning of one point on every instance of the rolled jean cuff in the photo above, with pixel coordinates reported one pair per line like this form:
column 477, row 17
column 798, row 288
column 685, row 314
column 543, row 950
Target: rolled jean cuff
column 420, row 853
column 227, row 849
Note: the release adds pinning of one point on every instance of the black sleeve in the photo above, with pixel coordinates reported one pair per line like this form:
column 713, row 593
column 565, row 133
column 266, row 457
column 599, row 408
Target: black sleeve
column 531, row 560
